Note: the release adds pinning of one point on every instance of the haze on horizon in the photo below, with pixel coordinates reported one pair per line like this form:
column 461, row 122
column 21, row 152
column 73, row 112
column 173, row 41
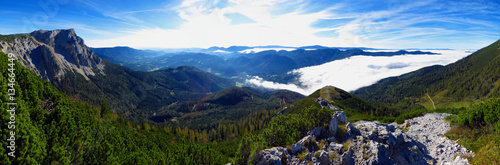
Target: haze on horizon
column 464, row 24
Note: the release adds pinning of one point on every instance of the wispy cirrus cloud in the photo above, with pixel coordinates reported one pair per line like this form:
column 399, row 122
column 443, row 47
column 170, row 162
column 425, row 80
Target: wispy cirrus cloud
column 196, row 23
column 385, row 24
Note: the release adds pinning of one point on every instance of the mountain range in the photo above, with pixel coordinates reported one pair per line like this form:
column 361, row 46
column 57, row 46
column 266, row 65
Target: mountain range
column 84, row 105
column 61, row 57
column 270, row 64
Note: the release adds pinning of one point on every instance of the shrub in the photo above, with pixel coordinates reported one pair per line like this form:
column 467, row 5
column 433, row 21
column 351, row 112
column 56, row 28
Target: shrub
column 302, row 156
column 317, row 154
column 341, row 132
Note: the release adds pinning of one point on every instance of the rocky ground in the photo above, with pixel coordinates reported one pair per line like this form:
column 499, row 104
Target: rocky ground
column 418, row 141
column 429, row 130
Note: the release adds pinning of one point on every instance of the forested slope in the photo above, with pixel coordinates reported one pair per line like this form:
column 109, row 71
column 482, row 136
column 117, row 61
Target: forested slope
column 472, row 78
column 52, row 129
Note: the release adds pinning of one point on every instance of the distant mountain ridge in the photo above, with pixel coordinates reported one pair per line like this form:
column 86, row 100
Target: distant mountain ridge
column 271, row 65
column 122, row 53
column 235, row 48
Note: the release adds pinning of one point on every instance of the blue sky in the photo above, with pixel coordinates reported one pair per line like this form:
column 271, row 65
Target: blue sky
column 457, row 24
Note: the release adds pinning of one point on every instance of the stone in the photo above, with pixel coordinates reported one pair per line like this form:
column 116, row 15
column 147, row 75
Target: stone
column 316, row 132
column 334, row 108
column 297, row 147
column 308, row 156
column 333, row 126
column 342, row 118
column 427, row 130
column 273, row 155
column 331, row 139
column 371, row 142
column 352, row 131
column 335, row 147
column 460, row 161
column 322, row 102
column 324, row 158
column 282, row 111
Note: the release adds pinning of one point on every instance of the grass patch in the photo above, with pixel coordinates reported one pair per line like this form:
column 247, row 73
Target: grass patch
column 341, row 132
column 329, row 94
column 366, row 156
column 489, row 154
column 483, row 142
column 322, row 143
column 302, row 156
column 346, row 146
column 478, row 129
column 317, row 154
column 333, row 156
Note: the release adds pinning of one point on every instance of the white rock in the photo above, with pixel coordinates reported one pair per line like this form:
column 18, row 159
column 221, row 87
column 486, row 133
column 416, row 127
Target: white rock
column 297, row 147
column 335, row 147
column 333, row 126
column 341, row 117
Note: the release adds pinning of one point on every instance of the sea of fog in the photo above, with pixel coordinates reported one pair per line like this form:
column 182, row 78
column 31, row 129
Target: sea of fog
column 359, row 71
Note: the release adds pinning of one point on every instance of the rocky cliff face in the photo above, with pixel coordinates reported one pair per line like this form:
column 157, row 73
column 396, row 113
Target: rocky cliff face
column 418, row 141
column 53, row 54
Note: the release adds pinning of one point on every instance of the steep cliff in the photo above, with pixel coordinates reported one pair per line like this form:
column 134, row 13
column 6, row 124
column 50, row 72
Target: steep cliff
column 53, row 54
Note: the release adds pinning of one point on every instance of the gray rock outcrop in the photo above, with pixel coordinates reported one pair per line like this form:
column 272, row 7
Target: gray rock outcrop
column 334, row 123
column 53, row 54
column 324, row 103
column 371, row 142
column 273, row 156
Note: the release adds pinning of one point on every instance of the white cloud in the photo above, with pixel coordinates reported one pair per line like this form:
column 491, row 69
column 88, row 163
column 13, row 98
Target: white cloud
column 358, row 71
column 257, row 50
column 206, row 27
column 402, row 24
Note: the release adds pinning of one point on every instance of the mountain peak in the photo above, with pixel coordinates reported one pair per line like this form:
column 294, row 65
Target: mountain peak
column 52, row 53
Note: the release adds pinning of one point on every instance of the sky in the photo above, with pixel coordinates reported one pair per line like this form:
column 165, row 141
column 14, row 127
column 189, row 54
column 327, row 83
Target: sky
column 359, row 71
column 392, row 24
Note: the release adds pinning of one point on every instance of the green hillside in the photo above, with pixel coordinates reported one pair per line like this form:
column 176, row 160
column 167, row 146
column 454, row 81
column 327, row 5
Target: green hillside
column 355, row 107
column 227, row 106
column 52, row 129
column 475, row 77
column 471, row 83
column 137, row 93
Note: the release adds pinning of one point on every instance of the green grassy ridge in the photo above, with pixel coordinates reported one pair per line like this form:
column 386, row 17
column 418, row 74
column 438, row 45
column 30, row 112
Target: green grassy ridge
column 355, row 107
column 472, row 78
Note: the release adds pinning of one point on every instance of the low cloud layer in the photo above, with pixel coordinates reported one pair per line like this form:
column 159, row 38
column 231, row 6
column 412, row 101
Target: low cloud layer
column 359, row 71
